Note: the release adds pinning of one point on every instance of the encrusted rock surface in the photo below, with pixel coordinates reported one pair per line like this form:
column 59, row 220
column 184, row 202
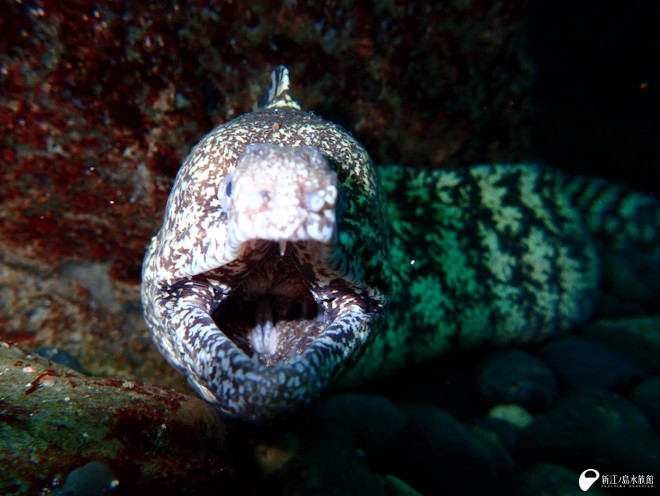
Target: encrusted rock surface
column 54, row 420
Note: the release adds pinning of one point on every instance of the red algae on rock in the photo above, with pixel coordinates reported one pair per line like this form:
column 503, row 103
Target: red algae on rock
column 99, row 104
column 54, row 420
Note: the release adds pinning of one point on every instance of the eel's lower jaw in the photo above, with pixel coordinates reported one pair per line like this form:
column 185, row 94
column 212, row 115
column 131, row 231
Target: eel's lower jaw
column 277, row 342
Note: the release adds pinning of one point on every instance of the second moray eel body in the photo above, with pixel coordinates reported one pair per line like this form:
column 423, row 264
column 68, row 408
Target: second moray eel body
column 286, row 259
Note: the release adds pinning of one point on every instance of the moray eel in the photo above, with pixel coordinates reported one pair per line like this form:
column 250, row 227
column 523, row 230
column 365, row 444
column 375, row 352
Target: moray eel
column 283, row 248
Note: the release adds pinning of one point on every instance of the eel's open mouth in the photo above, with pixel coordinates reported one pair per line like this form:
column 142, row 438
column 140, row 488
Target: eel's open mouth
column 272, row 328
column 272, row 314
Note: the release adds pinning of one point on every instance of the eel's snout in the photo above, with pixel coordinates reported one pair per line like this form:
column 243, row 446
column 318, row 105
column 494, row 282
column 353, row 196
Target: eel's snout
column 282, row 194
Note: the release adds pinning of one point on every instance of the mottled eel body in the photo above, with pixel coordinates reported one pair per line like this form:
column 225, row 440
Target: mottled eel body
column 271, row 274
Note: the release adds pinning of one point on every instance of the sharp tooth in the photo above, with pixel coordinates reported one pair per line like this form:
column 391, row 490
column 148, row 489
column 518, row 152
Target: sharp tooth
column 265, row 338
column 271, row 339
column 282, row 247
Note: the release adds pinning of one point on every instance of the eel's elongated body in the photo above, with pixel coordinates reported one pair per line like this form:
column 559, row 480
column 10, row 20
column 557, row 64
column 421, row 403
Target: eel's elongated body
column 498, row 254
column 279, row 253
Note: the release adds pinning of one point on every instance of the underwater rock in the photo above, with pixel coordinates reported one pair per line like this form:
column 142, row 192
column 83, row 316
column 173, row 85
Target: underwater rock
column 92, row 479
column 545, row 478
column 583, row 364
column 42, row 307
column 506, row 432
column 370, row 422
column 638, row 338
column 396, row 487
column 323, row 465
column 343, row 445
column 647, row 397
column 332, row 467
column 506, row 422
column 596, row 430
column 513, row 376
column 513, row 414
column 62, row 357
column 436, row 454
column 632, row 280
column 55, row 420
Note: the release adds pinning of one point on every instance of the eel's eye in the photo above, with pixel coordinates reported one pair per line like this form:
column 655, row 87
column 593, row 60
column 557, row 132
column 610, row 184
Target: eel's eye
column 224, row 191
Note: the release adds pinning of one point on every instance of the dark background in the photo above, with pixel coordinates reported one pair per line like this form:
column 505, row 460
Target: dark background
column 590, row 114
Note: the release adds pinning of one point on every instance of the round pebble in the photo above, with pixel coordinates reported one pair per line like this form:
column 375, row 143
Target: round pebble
column 593, row 428
column 647, row 397
column 436, row 454
column 513, row 376
column 582, row 364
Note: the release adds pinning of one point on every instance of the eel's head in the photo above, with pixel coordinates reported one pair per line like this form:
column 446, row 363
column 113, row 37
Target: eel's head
column 255, row 303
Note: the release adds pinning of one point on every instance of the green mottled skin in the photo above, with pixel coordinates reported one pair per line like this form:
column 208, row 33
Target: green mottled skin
column 497, row 254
